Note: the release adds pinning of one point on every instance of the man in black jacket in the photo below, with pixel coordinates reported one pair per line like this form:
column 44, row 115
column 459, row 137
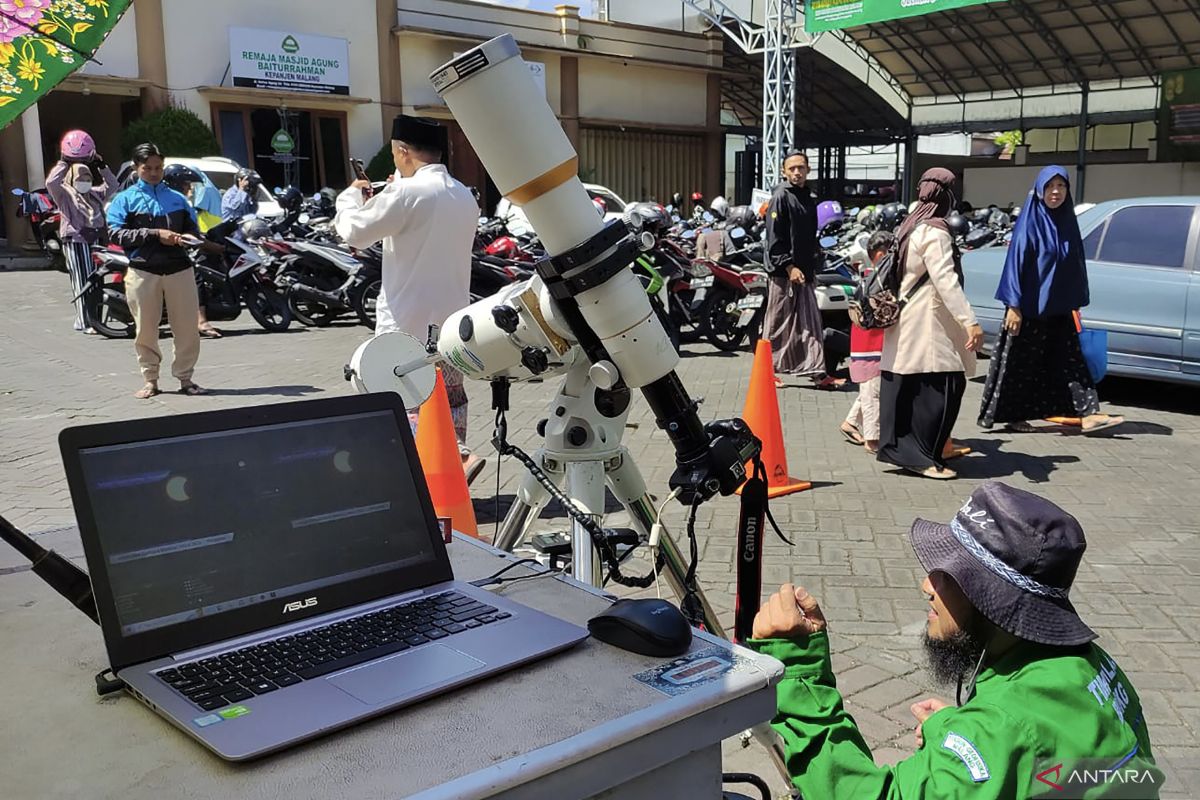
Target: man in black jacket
column 149, row 220
column 792, row 322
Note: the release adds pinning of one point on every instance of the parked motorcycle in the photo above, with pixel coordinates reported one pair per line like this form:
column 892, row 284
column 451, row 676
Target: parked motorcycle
column 43, row 218
column 240, row 274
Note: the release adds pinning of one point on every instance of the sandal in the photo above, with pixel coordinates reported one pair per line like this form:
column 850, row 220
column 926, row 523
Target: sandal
column 779, row 384
column 852, row 434
column 147, row 391
column 473, row 465
column 192, row 390
column 209, row 332
column 952, row 450
column 830, row 384
column 1109, row 422
column 935, row 473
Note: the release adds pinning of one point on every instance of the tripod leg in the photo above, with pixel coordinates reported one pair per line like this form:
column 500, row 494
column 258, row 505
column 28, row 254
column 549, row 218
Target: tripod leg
column 629, row 487
column 527, row 506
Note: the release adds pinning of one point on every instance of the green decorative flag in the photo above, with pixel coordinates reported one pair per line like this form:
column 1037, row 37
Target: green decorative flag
column 827, row 15
column 44, row 41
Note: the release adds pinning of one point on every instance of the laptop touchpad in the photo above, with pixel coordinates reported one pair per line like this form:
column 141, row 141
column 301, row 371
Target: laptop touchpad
column 405, row 674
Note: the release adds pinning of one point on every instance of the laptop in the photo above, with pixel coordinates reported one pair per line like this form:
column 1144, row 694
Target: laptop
column 267, row 575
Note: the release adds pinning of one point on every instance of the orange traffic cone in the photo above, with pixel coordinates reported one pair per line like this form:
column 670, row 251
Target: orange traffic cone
column 438, row 448
column 762, row 415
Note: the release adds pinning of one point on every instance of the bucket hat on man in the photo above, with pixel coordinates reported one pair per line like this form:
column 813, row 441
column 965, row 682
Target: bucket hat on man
column 1014, row 555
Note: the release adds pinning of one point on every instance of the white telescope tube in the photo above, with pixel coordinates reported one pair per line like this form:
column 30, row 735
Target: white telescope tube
column 504, row 114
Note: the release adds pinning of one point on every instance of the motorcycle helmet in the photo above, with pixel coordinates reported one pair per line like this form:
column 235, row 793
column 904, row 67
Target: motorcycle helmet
column 77, row 146
column 742, row 217
column 999, row 219
column 697, row 197
column 645, row 217
column 719, row 207
column 865, row 216
column 958, row 224
column 255, row 178
column 677, row 200
column 290, row 198
column 888, row 218
column 829, row 214
column 178, row 176
column 255, row 228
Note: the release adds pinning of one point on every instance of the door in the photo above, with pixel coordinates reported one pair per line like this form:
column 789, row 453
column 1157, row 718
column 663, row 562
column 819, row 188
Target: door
column 1139, row 277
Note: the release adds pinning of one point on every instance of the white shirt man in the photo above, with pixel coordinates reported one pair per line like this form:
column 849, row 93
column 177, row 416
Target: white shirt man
column 426, row 221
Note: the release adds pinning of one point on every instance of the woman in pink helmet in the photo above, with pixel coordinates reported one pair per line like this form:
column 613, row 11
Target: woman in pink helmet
column 80, row 184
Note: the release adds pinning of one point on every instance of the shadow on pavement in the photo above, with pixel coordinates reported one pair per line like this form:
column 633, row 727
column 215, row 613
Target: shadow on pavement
column 1156, row 395
column 989, row 461
column 298, row 390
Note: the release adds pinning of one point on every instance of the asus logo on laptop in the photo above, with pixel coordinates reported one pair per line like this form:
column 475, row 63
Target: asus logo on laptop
column 300, row 605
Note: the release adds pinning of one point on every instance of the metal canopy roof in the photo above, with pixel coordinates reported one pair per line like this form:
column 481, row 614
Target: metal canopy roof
column 832, row 105
column 1020, row 44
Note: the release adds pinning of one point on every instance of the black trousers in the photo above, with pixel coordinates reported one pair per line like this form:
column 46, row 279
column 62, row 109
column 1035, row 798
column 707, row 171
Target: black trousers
column 916, row 416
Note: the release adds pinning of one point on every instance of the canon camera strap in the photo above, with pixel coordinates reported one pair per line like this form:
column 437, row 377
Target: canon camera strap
column 751, row 520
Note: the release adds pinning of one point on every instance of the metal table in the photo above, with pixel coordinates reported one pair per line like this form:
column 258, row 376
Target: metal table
column 577, row 725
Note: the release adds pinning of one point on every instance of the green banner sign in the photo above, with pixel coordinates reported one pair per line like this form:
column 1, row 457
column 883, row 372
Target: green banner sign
column 44, row 41
column 1179, row 117
column 827, row 15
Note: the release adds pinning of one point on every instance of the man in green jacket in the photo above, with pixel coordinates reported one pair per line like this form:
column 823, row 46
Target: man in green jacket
column 1048, row 713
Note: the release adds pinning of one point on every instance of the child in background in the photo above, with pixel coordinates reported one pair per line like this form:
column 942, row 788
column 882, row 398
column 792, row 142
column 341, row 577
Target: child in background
column 861, row 425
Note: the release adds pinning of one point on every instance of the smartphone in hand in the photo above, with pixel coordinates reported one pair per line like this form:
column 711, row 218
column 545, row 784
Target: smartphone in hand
column 360, row 173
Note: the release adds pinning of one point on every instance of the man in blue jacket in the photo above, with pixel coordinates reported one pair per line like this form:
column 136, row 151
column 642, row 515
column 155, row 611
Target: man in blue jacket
column 149, row 220
column 241, row 199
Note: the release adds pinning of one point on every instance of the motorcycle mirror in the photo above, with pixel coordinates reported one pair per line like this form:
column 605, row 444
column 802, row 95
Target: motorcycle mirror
column 676, row 218
column 688, row 234
column 303, row 218
column 647, row 241
column 737, row 233
column 828, row 242
column 18, row 192
column 709, row 218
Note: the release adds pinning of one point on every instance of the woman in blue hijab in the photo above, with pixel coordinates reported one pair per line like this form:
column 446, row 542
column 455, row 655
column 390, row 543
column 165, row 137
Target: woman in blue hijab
column 1037, row 369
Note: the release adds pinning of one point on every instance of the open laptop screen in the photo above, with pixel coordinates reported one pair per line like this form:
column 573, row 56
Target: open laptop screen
column 196, row 526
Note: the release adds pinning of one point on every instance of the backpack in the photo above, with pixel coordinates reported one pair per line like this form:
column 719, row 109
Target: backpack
column 876, row 303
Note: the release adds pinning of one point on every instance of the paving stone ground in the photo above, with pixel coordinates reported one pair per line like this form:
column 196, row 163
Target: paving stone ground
column 1136, row 491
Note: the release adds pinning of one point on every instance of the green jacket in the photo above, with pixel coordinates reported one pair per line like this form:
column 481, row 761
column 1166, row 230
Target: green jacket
column 1034, row 708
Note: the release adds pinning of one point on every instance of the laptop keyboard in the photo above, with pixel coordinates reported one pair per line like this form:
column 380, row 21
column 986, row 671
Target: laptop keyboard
column 212, row 683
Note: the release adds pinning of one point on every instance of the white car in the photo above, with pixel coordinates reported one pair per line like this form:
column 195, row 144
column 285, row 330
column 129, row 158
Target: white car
column 518, row 224
column 220, row 173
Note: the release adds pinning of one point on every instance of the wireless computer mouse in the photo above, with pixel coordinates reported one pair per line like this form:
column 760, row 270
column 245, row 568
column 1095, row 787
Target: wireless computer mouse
column 650, row 626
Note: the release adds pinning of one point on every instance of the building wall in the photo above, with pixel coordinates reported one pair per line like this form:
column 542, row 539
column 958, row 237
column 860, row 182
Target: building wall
column 422, row 54
column 1004, row 185
column 118, row 54
column 653, row 95
column 197, row 45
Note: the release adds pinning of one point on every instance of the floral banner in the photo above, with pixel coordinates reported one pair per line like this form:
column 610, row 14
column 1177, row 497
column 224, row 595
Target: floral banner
column 44, row 41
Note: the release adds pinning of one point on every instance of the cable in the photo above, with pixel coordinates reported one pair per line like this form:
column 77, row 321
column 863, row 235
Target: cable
column 603, row 546
column 481, row 582
column 656, row 532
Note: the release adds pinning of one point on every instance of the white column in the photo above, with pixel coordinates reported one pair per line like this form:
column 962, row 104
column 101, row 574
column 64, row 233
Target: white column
column 35, row 167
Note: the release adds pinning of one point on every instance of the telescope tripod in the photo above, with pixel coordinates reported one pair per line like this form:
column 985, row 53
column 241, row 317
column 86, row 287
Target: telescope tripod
column 582, row 454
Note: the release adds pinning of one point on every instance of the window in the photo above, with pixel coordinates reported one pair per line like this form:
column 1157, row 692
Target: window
column 233, row 138
column 1092, row 243
column 1156, row 236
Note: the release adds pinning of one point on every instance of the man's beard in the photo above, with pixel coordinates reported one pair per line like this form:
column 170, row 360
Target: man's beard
column 953, row 659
